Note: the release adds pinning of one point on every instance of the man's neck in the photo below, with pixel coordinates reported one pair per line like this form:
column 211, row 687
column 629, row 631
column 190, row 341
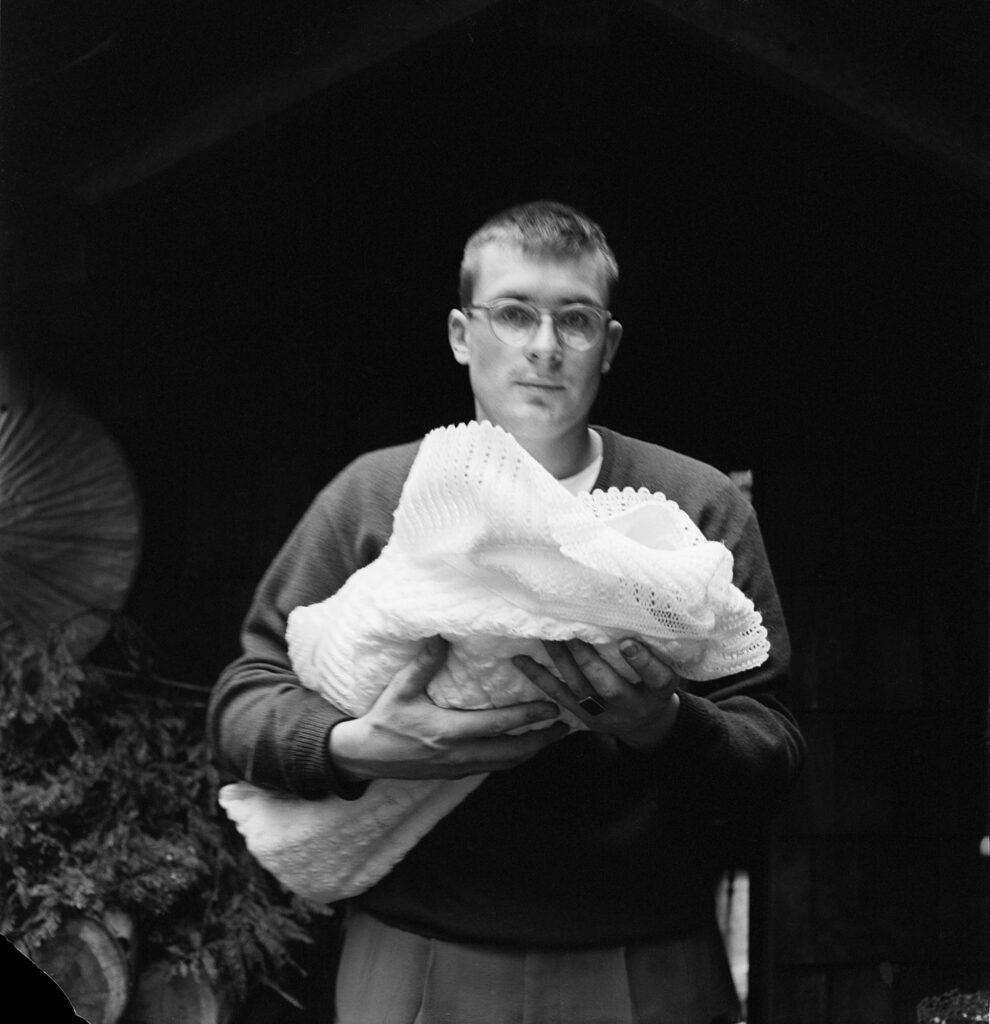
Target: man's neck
column 564, row 456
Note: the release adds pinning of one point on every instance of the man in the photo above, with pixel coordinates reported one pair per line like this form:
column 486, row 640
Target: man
column 575, row 884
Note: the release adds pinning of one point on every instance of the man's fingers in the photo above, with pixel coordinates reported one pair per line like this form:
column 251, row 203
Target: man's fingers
column 584, row 673
column 605, row 681
column 648, row 667
column 490, row 722
column 553, row 687
column 528, row 744
column 413, row 678
column 502, row 752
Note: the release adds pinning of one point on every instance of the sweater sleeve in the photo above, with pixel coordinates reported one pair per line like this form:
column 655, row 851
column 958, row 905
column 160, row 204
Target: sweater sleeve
column 736, row 749
column 263, row 725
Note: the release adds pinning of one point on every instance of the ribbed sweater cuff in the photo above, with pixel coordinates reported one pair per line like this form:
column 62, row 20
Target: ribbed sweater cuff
column 314, row 775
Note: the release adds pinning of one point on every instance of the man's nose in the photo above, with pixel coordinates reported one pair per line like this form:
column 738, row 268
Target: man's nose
column 545, row 344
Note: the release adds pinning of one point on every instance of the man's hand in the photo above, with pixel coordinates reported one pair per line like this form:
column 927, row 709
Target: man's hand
column 641, row 714
column 404, row 735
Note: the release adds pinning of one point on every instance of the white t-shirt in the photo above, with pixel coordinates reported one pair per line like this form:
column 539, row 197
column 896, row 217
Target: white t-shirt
column 585, row 479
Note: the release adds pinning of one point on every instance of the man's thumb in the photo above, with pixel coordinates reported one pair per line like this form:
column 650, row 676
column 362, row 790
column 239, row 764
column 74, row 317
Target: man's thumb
column 429, row 659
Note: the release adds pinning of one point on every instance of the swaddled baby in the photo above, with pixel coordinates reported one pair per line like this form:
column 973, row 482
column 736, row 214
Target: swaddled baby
column 494, row 554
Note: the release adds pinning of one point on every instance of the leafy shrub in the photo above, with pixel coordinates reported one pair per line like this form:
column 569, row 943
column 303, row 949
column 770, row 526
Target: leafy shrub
column 108, row 801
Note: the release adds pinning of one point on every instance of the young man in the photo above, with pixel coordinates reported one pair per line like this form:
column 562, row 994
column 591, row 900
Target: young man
column 575, row 884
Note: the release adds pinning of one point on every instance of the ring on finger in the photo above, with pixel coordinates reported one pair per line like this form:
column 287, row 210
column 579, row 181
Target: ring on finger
column 591, row 706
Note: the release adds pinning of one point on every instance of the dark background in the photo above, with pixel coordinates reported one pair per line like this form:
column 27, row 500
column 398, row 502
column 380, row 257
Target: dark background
column 804, row 295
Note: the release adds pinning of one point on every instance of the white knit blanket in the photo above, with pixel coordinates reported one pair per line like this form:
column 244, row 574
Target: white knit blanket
column 494, row 554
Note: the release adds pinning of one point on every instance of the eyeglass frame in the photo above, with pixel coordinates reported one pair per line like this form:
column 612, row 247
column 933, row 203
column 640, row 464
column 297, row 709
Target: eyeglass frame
column 552, row 313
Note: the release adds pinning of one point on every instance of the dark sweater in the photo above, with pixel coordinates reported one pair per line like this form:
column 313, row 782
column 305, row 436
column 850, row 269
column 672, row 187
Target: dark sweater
column 588, row 844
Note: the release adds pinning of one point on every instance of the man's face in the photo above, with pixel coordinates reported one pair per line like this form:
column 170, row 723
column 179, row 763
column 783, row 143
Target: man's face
column 543, row 391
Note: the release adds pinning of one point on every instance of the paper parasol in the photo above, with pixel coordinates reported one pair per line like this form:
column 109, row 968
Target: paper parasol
column 70, row 520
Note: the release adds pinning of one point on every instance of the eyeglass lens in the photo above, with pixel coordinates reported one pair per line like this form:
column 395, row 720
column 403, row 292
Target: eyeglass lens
column 516, row 323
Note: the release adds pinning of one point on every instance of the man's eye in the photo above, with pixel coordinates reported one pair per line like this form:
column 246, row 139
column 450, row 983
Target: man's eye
column 577, row 321
column 515, row 316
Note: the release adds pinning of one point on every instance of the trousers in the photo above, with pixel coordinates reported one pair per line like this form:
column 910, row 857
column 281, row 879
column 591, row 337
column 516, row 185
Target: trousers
column 390, row 976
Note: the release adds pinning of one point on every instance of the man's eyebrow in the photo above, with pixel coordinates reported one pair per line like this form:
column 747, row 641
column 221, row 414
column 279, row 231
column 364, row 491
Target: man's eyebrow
column 567, row 300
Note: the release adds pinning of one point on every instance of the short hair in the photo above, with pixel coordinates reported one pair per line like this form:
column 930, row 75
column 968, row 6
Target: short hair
column 543, row 229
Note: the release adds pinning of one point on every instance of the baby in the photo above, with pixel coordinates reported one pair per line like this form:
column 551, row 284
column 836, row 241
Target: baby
column 491, row 552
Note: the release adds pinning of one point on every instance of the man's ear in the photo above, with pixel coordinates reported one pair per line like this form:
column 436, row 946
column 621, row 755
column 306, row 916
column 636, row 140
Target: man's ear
column 613, row 335
column 457, row 335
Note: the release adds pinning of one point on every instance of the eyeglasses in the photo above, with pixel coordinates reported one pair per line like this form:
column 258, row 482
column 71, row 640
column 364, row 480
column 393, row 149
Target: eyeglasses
column 578, row 326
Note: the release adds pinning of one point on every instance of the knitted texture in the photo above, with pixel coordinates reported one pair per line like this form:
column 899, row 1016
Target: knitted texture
column 490, row 551
column 328, row 850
